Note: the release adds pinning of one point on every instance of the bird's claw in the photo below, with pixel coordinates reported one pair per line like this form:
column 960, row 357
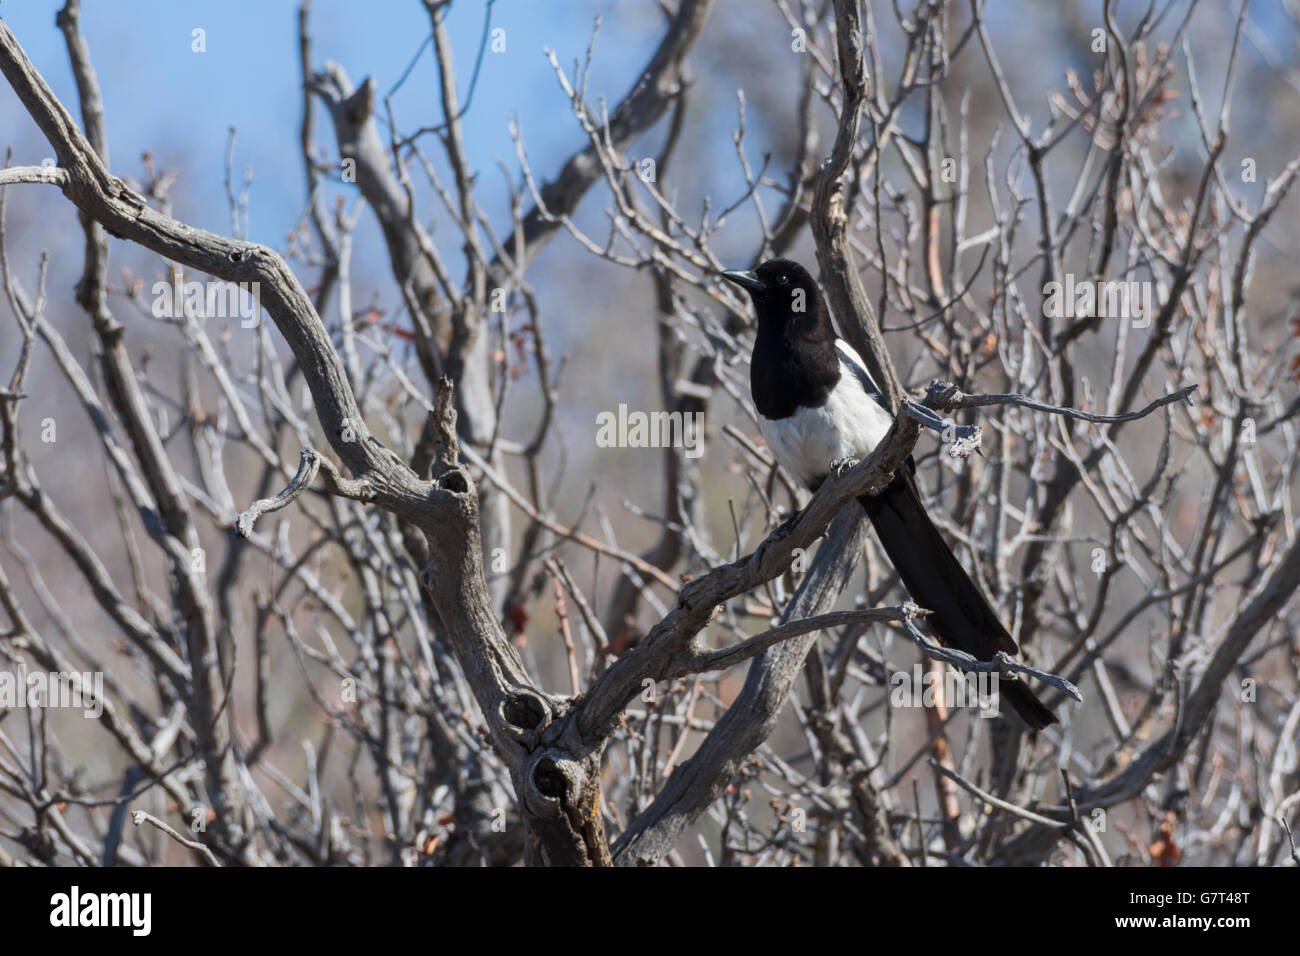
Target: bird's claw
column 840, row 465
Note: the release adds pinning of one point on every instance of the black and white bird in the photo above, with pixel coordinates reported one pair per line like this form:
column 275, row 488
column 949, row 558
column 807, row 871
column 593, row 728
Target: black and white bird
column 817, row 404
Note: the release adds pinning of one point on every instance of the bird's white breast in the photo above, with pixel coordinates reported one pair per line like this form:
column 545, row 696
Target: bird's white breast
column 849, row 424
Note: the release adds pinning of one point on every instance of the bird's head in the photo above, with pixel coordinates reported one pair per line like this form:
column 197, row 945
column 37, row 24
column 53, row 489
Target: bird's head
column 782, row 291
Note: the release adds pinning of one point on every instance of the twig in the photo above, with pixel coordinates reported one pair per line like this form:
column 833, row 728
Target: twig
column 308, row 466
column 140, row 816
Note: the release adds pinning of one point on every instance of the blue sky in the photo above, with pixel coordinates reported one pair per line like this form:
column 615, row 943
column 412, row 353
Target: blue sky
column 162, row 96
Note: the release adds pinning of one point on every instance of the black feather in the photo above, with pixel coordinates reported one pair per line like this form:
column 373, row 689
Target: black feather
column 959, row 616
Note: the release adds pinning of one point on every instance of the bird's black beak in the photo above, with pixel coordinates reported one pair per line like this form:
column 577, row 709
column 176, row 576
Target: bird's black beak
column 746, row 280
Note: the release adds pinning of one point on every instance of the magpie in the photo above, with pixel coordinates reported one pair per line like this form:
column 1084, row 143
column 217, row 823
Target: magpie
column 817, row 404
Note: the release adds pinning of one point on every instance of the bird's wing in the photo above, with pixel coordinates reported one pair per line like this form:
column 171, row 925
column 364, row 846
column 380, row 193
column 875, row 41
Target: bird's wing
column 852, row 362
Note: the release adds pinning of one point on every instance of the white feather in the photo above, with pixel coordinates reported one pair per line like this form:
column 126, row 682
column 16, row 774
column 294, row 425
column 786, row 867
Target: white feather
column 849, row 425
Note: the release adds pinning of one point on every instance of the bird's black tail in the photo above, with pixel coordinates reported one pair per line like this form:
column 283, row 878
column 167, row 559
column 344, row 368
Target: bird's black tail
column 959, row 614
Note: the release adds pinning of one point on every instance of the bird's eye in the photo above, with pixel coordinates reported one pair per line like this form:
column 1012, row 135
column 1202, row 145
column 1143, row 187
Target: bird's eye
column 783, row 280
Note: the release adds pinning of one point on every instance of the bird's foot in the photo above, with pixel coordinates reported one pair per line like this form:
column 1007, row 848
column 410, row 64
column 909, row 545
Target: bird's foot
column 840, row 465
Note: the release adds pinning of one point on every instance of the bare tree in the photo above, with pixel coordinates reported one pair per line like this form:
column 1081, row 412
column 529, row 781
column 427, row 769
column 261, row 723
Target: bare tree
column 1130, row 511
